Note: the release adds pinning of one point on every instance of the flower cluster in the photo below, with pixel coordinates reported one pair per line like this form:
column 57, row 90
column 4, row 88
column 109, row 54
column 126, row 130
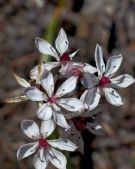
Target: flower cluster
column 68, row 95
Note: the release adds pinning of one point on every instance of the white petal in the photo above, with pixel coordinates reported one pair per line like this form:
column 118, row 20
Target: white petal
column 90, row 69
column 99, row 60
column 21, row 81
column 35, row 94
column 71, row 104
column 113, row 65
column 63, row 144
column 90, row 98
column 40, row 163
column 47, row 81
column 61, row 42
column 44, row 112
column 73, row 54
column 46, row 48
column 30, row 128
column 47, row 66
column 112, row 96
column 26, row 150
column 68, row 86
column 89, row 80
column 47, row 127
column 94, row 128
column 122, row 81
column 60, row 120
column 57, row 158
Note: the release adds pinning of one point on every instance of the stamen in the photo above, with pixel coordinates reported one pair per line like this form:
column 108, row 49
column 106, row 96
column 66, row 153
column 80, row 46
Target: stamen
column 52, row 99
column 104, row 81
column 64, row 58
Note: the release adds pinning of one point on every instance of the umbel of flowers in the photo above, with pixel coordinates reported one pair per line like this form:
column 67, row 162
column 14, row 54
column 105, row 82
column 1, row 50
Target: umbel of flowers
column 68, row 95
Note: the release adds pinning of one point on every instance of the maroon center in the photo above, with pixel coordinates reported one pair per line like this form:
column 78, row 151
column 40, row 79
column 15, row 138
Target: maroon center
column 77, row 71
column 79, row 123
column 104, row 81
column 43, row 143
column 52, row 99
column 64, row 58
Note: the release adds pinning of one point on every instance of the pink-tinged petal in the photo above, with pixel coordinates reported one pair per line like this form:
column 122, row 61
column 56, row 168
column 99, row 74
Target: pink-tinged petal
column 57, row 158
column 30, row 128
column 71, row 104
column 122, row 81
column 99, row 60
column 88, row 80
column 68, row 86
column 47, row 127
column 60, row 120
column 113, row 97
column 35, row 94
column 90, row 69
column 94, row 128
column 47, row 82
column 73, row 54
column 40, row 162
column 61, row 42
column 46, row 48
column 63, row 144
column 26, row 150
column 44, row 112
column 34, row 73
column 21, row 81
column 90, row 98
column 113, row 65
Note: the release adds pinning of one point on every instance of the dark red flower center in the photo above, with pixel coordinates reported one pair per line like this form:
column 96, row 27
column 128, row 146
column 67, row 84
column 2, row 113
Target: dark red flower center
column 64, row 58
column 79, row 122
column 77, row 71
column 52, row 99
column 43, row 143
column 104, row 81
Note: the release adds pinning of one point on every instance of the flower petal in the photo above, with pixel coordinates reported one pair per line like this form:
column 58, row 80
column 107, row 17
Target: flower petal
column 46, row 48
column 68, row 86
column 47, row 127
column 63, row 144
column 30, row 128
column 60, row 119
column 112, row 97
column 122, row 81
column 21, row 81
column 47, row 66
column 71, row 104
column 44, row 112
column 40, row 162
column 57, row 158
column 89, row 80
column 99, row 60
column 61, row 42
column 47, row 82
column 113, row 65
column 15, row 99
column 90, row 69
column 94, row 128
column 73, row 54
column 90, row 98
column 26, row 150
column 35, row 94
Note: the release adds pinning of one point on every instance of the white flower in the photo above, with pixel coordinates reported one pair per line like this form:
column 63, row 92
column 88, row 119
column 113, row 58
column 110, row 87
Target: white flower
column 105, row 80
column 61, row 55
column 54, row 101
column 44, row 148
column 80, row 123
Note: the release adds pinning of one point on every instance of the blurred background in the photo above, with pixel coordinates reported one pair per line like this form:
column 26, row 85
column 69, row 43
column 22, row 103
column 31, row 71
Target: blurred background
column 110, row 23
